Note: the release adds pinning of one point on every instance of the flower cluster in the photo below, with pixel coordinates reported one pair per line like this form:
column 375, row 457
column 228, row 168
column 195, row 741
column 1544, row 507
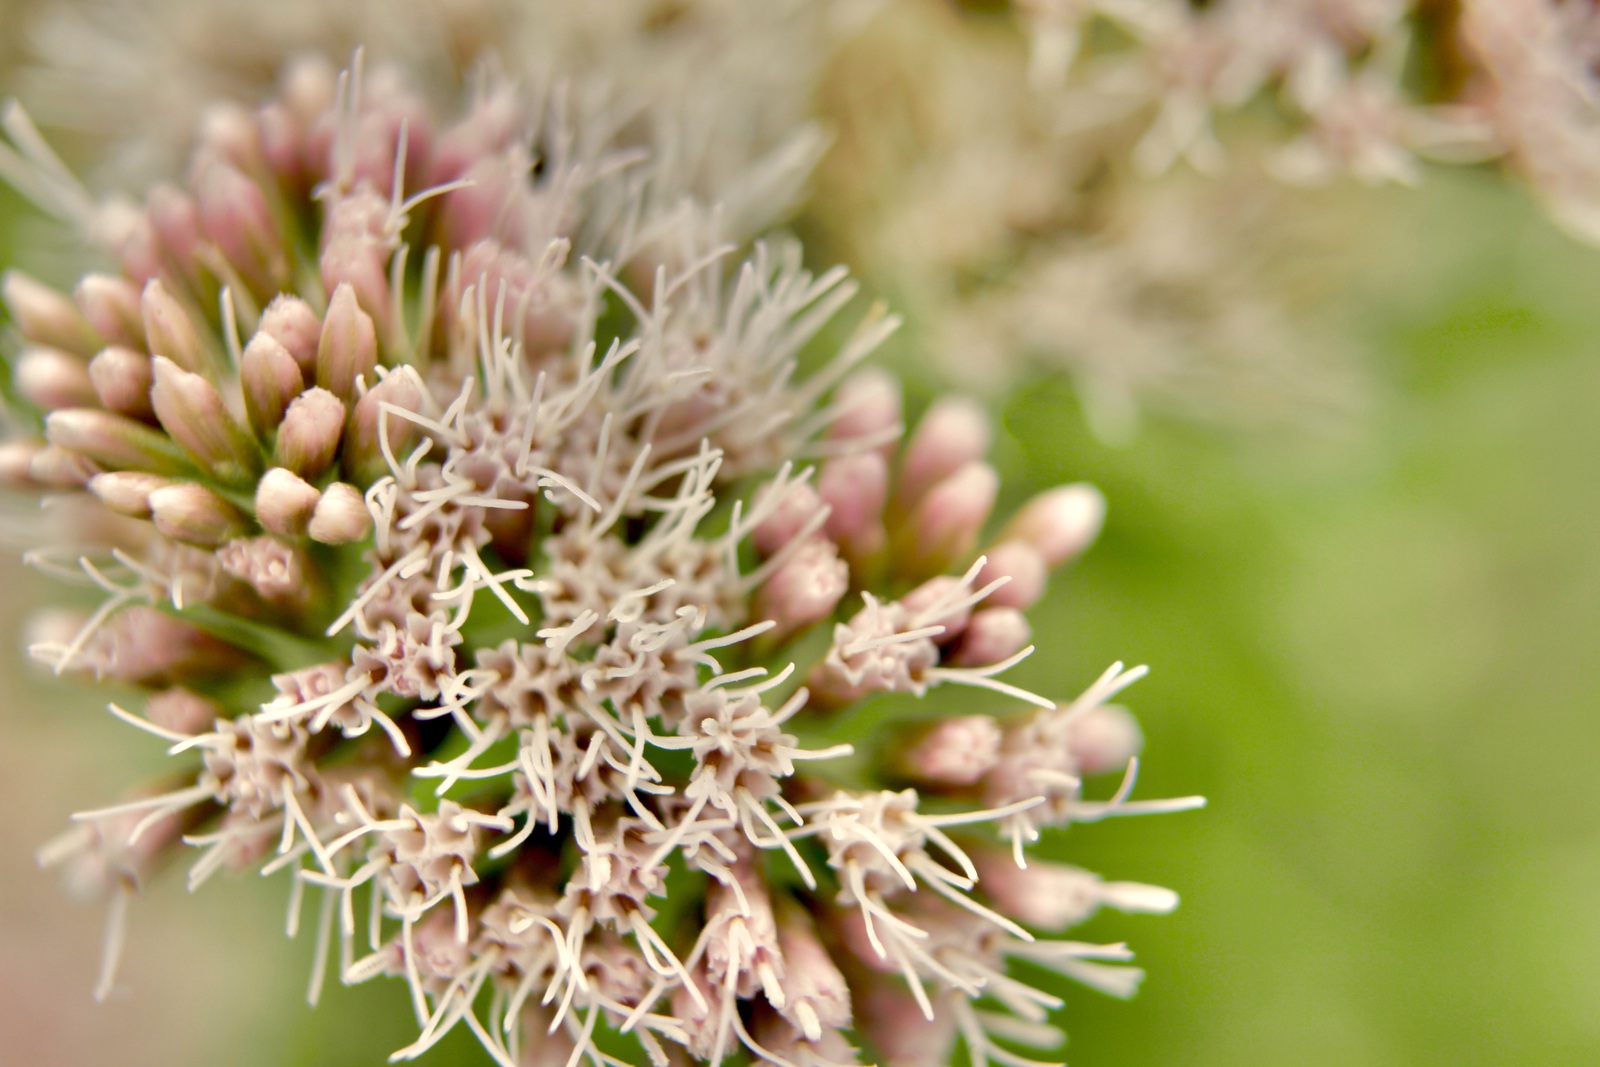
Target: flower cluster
column 448, row 488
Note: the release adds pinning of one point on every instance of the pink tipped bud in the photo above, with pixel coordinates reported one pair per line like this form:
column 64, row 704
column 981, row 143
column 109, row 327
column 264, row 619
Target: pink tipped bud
column 362, row 264
column 1104, row 739
column 955, row 752
column 122, row 379
column 992, row 635
column 854, row 488
column 176, row 220
column 111, row 306
column 817, row 997
column 195, row 515
column 114, row 441
column 799, row 504
column 182, row 711
column 806, row 589
column 61, row 469
column 946, row 522
column 348, row 348
column 48, row 378
column 169, row 329
column 15, row 459
column 235, row 216
column 309, row 436
column 193, row 414
column 228, row 135
column 291, row 322
column 363, row 452
column 953, row 434
column 127, row 492
column 45, row 316
column 1053, row 896
column 941, row 589
column 890, row 1018
column 341, row 516
column 1061, row 522
column 1024, row 566
column 868, row 405
column 271, row 380
column 285, row 502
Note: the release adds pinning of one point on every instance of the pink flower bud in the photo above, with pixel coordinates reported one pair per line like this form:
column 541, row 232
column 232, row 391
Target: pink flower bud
column 931, row 592
column 271, row 379
column 891, row 1019
column 235, row 216
column 796, row 508
column 195, row 515
column 194, row 415
column 45, row 316
column 148, row 646
column 992, row 635
column 1104, row 739
column 114, row 441
column 806, row 589
column 868, row 405
column 282, row 138
column 169, row 329
column 291, row 322
column 61, row 469
column 816, row 993
column 182, row 711
column 127, row 492
column 15, row 459
column 363, row 265
column 341, row 516
column 48, row 378
column 308, row 439
column 111, row 306
column 285, row 502
column 945, row 525
column 1020, row 562
column 854, row 488
column 122, row 379
column 348, row 348
column 363, row 454
column 1053, row 896
column 1061, row 522
column 176, row 220
column 955, row 752
column 954, row 433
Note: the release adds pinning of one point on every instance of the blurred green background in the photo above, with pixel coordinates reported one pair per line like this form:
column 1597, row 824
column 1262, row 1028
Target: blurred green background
column 1375, row 652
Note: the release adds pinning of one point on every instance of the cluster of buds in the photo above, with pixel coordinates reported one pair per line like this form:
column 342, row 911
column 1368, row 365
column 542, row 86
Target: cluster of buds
column 490, row 476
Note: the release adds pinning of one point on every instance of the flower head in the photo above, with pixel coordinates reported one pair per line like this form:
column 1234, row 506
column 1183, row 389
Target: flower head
column 452, row 508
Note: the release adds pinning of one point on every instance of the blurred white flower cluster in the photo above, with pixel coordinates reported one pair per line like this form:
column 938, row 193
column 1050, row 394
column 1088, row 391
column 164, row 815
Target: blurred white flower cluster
column 495, row 547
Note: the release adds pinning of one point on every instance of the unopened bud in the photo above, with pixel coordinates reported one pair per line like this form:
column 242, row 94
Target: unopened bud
column 182, row 711
column 47, row 317
column 127, row 492
column 955, row 752
column 363, row 452
column 363, row 264
column 285, row 502
column 946, row 522
column 926, row 597
column 1023, row 565
column 806, row 589
column 49, row 378
column 799, row 504
column 1061, row 522
column 122, row 379
column 271, row 379
column 341, row 516
column 868, row 405
column 817, row 997
column 1054, row 896
column 953, row 433
column 228, row 135
column 854, row 488
column 892, row 1020
column 15, row 459
column 291, row 322
column 176, row 220
column 1104, row 739
column 236, row 217
column 114, row 441
column 992, row 635
column 169, row 330
column 111, row 306
column 194, row 514
column 193, row 414
column 348, row 348
column 61, row 469
column 308, row 439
